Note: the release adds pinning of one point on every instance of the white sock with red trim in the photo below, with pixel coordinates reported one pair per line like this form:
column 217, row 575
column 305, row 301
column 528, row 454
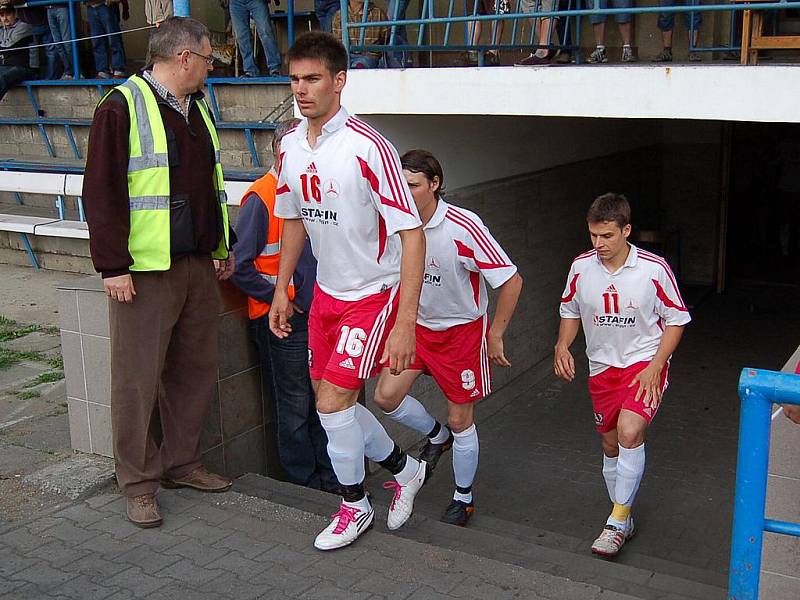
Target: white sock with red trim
column 411, row 413
column 377, row 443
column 345, row 445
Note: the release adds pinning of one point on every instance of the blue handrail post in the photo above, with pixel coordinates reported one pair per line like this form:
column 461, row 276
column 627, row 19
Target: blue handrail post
column 73, row 34
column 290, row 22
column 181, row 8
column 345, row 17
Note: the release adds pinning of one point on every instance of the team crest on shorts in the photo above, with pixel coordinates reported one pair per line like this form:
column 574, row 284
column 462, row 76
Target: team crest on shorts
column 467, row 379
column 598, row 419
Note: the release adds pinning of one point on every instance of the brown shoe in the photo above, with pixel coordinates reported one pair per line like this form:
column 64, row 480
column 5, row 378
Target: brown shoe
column 199, row 479
column 143, row 511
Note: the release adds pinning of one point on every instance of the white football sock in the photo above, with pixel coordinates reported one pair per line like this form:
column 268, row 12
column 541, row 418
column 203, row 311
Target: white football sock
column 408, row 472
column 442, row 436
column 412, row 414
column 465, row 498
column 630, row 468
column 465, row 456
column 377, row 443
column 610, row 475
column 345, row 445
column 362, row 505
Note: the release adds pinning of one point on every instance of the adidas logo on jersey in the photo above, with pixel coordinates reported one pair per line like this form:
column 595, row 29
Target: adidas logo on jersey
column 347, row 363
column 311, row 169
column 610, row 288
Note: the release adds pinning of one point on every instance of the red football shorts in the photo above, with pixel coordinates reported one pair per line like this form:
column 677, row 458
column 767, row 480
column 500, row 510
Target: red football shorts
column 346, row 338
column 610, row 394
column 457, row 359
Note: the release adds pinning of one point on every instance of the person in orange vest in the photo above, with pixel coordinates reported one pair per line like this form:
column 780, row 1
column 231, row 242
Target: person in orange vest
column 301, row 440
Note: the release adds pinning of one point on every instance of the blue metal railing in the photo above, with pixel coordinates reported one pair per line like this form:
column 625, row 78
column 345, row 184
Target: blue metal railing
column 758, row 391
column 427, row 21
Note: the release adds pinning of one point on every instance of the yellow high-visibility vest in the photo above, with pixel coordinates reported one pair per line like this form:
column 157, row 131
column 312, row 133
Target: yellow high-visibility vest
column 148, row 179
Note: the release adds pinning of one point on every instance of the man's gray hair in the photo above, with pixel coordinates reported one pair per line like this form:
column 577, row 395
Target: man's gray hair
column 281, row 130
column 175, row 35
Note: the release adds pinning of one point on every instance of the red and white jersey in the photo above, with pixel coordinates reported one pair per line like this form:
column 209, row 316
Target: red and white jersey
column 351, row 194
column 460, row 254
column 623, row 313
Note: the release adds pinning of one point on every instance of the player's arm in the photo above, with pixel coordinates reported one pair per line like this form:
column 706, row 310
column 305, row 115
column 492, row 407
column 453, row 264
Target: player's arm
column 649, row 379
column 401, row 343
column 292, row 241
column 506, row 304
column 563, row 361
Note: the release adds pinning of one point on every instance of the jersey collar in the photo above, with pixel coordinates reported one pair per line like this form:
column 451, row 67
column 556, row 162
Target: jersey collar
column 438, row 215
column 336, row 122
column 633, row 258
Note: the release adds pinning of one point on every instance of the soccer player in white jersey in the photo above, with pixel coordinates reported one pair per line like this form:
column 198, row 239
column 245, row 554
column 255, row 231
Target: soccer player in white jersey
column 341, row 183
column 454, row 341
column 633, row 316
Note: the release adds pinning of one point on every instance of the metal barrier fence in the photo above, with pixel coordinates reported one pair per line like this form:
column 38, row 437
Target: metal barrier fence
column 758, row 391
column 428, row 20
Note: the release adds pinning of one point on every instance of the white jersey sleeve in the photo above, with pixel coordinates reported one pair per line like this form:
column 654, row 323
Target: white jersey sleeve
column 388, row 187
column 570, row 307
column 479, row 252
column 287, row 200
column 669, row 305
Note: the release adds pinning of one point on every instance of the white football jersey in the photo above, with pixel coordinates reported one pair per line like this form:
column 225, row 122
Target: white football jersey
column 460, row 255
column 623, row 313
column 350, row 192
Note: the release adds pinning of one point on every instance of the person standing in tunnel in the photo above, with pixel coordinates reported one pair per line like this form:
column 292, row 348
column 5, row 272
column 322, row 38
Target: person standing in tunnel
column 455, row 343
column 633, row 317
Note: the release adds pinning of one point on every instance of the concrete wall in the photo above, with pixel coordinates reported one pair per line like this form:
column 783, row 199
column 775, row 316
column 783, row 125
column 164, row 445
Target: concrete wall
column 239, row 435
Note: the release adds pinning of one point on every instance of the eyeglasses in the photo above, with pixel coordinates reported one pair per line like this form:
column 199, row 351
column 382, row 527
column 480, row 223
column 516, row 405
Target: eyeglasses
column 209, row 59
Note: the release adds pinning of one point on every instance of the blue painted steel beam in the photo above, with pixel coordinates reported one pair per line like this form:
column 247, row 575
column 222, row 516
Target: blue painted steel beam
column 782, row 527
column 181, row 8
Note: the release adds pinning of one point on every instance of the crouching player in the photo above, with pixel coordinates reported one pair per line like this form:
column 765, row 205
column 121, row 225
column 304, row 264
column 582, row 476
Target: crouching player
column 633, row 316
column 455, row 344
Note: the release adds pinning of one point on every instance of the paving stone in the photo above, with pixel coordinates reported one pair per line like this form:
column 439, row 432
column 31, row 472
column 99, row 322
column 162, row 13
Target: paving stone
column 428, row 593
column 97, row 567
column 7, row 586
column 244, row 545
column 56, row 553
column 199, row 554
column 209, row 514
column 234, row 587
column 108, row 546
column 279, row 578
column 202, row 531
column 101, row 500
column 156, row 539
column 178, row 591
column 138, row 582
column 121, row 595
column 83, row 588
column 22, row 540
column 116, row 525
column 330, row 592
column 186, row 571
column 11, row 562
column 148, row 559
column 30, row 591
column 82, row 513
column 291, row 559
column 377, row 584
column 233, row 562
column 173, row 522
column 43, row 575
column 70, row 533
column 41, row 525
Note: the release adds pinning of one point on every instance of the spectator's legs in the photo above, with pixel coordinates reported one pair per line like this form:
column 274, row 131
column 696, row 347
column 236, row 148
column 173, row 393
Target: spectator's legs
column 599, row 34
column 266, row 33
column 325, row 10
column 118, row 60
column 99, row 45
column 397, row 12
column 363, row 61
column 626, row 32
column 58, row 19
column 11, row 76
column 240, row 21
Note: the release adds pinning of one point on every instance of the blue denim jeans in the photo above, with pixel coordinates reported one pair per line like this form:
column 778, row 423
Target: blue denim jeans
column 241, row 12
column 11, row 76
column 105, row 19
column 41, row 35
column 325, row 10
column 397, row 12
column 666, row 21
column 58, row 19
column 364, row 61
column 302, row 443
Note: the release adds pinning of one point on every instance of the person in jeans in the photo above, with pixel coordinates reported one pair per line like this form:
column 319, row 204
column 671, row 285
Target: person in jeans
column 58, row 20
column 625, row 24
column 372, row 35
column 104, row 19
column 302, row 443
column 241, row 13
column 15, row 65
column 325, row 11
column 666, row 23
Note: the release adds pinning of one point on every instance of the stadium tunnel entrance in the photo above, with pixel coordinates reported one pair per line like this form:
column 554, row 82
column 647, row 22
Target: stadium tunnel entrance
column 704, row 196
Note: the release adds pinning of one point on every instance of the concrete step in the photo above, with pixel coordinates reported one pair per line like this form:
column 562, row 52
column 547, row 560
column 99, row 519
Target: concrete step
column 523, row 547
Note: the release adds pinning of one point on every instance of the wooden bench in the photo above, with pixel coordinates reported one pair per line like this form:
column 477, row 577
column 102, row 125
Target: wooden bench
column 753, row 38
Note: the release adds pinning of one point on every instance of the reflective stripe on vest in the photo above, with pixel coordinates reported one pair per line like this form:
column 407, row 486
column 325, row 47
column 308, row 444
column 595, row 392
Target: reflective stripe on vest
column 267, row 262
column 148, row 179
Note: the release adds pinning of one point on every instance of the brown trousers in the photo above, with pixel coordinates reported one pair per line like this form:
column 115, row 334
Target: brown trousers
column 164, row 351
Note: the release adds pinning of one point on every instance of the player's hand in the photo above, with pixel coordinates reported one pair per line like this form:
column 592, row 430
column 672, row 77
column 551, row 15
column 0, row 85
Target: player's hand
column 649, row 380
column 401, row 346
column 224, row 268
column 564, row 364
column 280, row 312
column 792, row 412
column 120, row 288
column 496, row 353
column 297, row 309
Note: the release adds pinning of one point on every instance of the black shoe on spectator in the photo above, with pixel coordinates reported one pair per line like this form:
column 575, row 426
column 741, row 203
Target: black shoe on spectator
column 534, row 61
column 664, row 56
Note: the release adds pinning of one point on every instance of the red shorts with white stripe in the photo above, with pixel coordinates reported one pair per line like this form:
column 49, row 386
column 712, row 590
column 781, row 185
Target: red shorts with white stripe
column 458, row 360
column 346, row 338
column 610, row 394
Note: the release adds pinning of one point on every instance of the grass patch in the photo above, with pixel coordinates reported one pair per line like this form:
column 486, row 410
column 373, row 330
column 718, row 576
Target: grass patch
column 27, row 394
column 11, row 330
column 48, row 377
column 56, row 362
column 11, row 357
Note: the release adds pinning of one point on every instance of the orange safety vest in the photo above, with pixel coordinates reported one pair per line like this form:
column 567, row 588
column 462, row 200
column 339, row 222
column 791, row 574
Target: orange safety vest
column 267, row 262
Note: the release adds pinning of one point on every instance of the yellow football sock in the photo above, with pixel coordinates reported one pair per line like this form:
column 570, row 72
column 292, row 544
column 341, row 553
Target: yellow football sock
column 620, row 513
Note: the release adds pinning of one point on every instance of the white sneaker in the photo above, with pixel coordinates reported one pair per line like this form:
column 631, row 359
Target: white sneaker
column 403, row 501
column 347, row 524
column 611, row 539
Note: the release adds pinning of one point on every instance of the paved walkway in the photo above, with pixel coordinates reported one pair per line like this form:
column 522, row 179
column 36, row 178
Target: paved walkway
column 231, row 546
